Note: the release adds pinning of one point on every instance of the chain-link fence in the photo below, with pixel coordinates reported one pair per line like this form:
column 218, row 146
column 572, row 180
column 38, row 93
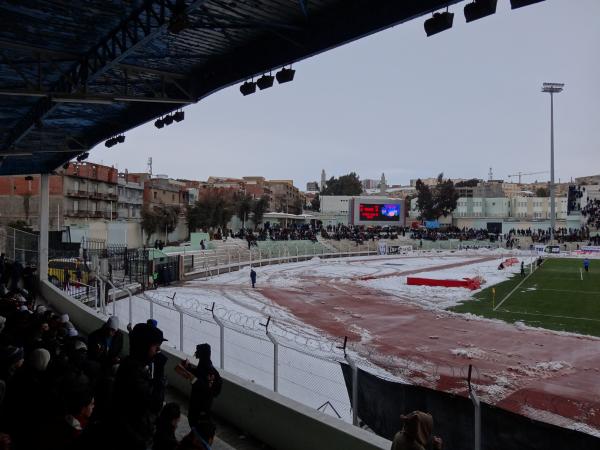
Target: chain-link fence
column 258, row 349
column 19, row 245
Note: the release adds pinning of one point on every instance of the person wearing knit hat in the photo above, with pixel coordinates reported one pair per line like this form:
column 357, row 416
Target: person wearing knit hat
column 38, row 359
column 72, row 331
column 139, row 388
column 106, row 343
column 64, row 318
column 113, row 323
column 11, row 359
column 40, row 310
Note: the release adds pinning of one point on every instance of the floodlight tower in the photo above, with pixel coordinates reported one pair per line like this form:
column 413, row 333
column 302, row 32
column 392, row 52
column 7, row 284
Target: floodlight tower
column 552, row 88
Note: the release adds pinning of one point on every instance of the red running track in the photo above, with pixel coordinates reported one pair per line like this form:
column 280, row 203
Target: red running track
column 384, row 326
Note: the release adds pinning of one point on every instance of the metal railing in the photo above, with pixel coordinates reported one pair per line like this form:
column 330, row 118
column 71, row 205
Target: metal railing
column 213, row 262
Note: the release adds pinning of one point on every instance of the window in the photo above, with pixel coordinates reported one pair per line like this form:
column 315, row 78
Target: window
column 75, row 206
column 173, row 197
column 154, row 195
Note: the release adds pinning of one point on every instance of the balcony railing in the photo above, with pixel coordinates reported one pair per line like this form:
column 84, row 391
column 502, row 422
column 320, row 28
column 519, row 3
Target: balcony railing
column 80, row 194
column 94, row 195
column 91, row 214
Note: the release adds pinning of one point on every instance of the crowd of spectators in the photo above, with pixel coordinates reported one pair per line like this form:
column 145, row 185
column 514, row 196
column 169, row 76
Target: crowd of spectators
column 561, row 235
column 462, row 234
column 591, row 211
column 61, row 390
column 361, row 233
column 293, row 232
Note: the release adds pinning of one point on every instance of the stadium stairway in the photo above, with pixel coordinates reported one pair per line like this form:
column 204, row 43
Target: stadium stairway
column 228, row 437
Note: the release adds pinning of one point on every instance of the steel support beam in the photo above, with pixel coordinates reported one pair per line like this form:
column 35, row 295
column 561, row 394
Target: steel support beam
column 44, row 227
column 141, row 27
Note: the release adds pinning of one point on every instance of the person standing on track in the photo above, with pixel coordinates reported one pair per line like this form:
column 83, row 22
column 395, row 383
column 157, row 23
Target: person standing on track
column 252, row 277
column 586, row 264
column 522, row 268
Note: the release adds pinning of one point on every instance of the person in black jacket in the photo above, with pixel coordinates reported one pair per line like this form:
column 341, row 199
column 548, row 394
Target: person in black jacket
column 106, row 343
column 139, row 389
column 206, row 385
column 164, row 438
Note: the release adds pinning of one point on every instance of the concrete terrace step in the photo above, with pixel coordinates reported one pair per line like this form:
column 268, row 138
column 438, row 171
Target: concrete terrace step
column 228, row 437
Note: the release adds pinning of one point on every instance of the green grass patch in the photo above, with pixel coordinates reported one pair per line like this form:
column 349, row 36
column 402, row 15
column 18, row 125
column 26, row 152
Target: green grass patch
column 554, row 297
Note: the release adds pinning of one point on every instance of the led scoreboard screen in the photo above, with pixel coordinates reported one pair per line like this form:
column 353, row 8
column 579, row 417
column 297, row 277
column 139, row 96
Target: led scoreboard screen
column 379, row 212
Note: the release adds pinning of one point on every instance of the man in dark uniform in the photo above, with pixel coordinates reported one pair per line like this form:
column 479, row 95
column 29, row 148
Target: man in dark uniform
column 206, row 385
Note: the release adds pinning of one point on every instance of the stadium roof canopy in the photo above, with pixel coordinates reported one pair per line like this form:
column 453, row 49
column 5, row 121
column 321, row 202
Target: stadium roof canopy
column 75, row 73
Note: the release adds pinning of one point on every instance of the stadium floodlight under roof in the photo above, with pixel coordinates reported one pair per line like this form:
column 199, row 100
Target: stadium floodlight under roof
column 553, row 87
column 479, row 9
column 178, row 116
column 249, row 87
column 264, row 82
column 514, row 4
column 285, row 75
column 438, row 23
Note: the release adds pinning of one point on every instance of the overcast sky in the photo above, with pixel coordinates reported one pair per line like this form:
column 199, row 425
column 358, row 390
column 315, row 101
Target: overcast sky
column 398, row 102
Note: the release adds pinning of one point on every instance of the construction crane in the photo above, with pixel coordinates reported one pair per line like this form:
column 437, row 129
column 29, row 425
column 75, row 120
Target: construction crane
column 521, row 174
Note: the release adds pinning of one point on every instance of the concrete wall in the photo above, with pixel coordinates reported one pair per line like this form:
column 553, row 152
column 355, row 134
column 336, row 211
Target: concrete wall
column 279, row 422
column 121, row 232
column 335, row 204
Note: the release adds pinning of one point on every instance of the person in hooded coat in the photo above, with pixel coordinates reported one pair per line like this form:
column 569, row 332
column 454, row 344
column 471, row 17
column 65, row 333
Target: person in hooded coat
column 106, row 343
column 416, row 433
column 139, row 388
column 206, row 385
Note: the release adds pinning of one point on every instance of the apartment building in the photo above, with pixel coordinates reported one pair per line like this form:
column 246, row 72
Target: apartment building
column 163, row 191
column 130, row 197
column 286, row 197
column 90, row 191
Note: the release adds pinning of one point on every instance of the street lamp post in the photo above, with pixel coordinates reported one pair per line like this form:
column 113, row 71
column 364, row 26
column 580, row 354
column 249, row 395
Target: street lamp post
column 552, row 88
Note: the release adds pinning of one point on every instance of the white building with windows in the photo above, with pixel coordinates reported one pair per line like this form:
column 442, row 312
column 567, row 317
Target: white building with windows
column 130, row 199
column 518, row 212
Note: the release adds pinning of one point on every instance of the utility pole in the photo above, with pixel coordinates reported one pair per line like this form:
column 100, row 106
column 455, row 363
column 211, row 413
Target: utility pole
column 552, row 88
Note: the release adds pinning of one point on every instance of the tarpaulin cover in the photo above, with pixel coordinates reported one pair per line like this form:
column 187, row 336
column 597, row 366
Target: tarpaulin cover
column 381, row 402
column 469, row 283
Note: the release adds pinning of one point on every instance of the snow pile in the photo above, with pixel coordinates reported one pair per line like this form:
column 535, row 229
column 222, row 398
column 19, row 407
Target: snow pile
column 491, row 393
column 433, row 297
column 552, row 366
column 469, row 352
column 542, row 369
column 555, row 419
